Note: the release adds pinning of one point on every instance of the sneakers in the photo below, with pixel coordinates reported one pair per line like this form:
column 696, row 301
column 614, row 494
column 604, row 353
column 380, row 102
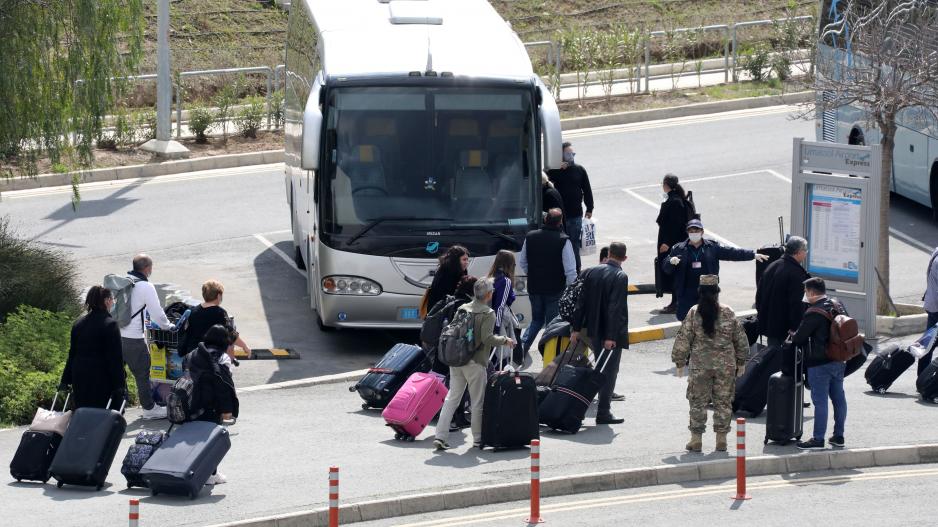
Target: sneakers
column 157, row 412
column 811, row 444
column 439, row 445
column 836, row 441
column 216, row 479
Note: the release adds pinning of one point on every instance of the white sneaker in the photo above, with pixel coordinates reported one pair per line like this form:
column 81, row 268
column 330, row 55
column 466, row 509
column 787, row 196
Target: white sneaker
column 216, row 479
column 157, row 412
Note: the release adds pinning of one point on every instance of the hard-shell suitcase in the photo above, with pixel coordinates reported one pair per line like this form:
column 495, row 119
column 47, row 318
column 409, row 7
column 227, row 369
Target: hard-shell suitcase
column 509, row 411
column 34, row 456
column 146, row 442
column 572, row 392
column 886, row 368
column 379, row 385
column 752, row 387
column 186, row 459
column 415, row 405
column 89, row 446
column 784, row 416
column 927, row 383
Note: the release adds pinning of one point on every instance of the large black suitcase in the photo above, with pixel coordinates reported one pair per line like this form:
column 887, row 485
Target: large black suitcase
column 509, row 412
column 89, row 446
column 185, row 460
column 886, row 368
column 774, row 252
column 34, row 456
column 570, row 396
column 927, row 383
column 752, row 387
column 145, row 444
column 784, row 416
column 379, row 385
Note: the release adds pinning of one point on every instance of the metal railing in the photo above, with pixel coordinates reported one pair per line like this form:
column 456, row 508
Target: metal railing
column 553, row 57
column 701, row 29
column 755, row 23
column 266, row 70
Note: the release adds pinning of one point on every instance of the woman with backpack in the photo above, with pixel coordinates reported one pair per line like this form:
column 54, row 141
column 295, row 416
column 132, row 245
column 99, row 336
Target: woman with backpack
column 502, row 274
column 672, row 220
column 95, row 366
column 480, row 319
column 453, row 266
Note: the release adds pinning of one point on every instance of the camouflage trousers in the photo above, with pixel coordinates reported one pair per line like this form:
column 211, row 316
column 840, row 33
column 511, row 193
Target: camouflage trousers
column 704, row 386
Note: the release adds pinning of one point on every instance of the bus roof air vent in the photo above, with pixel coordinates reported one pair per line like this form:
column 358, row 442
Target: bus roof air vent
column 414, row 12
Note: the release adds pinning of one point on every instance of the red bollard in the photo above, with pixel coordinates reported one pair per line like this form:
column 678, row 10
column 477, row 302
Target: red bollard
column 741, row 460
column 134, row 513
column 535, row 516
column 334, row 497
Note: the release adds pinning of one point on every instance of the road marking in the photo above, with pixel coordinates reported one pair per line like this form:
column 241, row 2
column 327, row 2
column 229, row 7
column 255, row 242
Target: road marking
column 678, row 121
column 910, row 240
column 707, row 178
column 657, row 206
column 121, row 183
column 267, row 243
column 778, row 175
column 670, row 495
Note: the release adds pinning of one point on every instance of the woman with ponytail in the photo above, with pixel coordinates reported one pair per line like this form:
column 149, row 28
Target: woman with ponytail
column 672, row 221
column 714, row 343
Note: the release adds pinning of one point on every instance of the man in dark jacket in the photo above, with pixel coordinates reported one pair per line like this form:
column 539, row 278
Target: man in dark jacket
column 548, row 261
column 573, row 183
column 778, row 294
column 601, row 319
column 695, row 257
column 826, row 377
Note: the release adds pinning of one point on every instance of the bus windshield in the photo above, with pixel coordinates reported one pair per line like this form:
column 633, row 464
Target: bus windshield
column 427, row 158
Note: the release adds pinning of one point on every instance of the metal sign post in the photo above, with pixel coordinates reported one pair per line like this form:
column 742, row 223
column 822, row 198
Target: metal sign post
column 163, row 145
column 835, row 206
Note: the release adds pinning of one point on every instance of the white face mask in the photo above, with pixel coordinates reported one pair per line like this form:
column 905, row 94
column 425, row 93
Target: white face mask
column 695, row 236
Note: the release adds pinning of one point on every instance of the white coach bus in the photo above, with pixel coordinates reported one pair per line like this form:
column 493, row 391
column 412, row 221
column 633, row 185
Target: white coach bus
column 411, row 126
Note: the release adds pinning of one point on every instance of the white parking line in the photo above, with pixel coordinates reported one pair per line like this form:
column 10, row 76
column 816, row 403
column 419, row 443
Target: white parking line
column 267, row 243
column 657, row 206
column 778, row 175
column 708, row 178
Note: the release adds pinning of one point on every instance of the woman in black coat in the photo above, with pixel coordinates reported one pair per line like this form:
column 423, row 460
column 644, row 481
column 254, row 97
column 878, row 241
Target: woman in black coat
column 672, row 225
column 95, row 366
column 452, row 269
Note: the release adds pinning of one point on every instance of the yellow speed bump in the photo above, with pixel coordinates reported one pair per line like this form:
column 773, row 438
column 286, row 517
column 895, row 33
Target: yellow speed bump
column 267, row 354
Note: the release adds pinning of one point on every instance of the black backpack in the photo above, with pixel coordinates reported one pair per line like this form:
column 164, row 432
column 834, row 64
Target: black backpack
column 437, row 318
column 181, row 401
column 690, row 208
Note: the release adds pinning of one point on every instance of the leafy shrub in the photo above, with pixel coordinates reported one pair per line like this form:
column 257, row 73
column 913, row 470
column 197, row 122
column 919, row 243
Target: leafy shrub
column 277, row 109
column 200, row 119
column 34, row 275
column 251, row 118
column 224, row 100
column 146, row 125
column 781, row 66
column 59, row 168
column 756, row 63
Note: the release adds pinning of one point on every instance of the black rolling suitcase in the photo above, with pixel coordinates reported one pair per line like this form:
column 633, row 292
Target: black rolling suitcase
column 784, row 416
column 34, row 456
column 379, row 385
column 145, row 444
column 186, row 458
column 927, row 383
column 89, row 446
column 886, row 368
column 571, row 394
column 752, row 387
column 509, row 412
column 774, row 252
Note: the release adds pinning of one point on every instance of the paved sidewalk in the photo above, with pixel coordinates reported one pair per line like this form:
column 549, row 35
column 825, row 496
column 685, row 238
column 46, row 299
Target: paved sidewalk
column 287, row 439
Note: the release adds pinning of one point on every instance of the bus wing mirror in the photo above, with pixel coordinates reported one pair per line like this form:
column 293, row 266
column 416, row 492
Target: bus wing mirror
column 549, row 114
column 312, row 130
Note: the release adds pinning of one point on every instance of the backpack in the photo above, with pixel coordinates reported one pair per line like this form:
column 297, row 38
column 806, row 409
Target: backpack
column 690, row 207
column 121, row 288
column 457, row 341
column 180, row 403
column 845, row 341
column 569, row 299
column 437, row 318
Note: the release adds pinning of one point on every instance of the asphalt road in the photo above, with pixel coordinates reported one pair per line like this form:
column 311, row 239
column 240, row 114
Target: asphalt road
column 233, row 225
column 885, row 497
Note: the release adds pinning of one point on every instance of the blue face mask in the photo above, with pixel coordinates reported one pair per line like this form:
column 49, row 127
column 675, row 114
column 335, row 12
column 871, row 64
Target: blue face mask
column 568, row 157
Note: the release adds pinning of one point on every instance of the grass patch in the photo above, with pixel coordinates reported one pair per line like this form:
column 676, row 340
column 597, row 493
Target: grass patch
column 741, row 90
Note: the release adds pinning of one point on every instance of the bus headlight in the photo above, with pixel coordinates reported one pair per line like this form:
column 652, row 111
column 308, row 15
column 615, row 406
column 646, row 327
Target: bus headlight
column 350, row 285
column 520, row 284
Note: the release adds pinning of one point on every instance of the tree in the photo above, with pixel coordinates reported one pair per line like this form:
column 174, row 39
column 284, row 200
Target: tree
column 49, row 45
column 886, row 63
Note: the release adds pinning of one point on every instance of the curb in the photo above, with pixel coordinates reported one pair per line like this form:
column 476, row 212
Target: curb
column 307, row 382
column 668, row 329
column 603, row 481
column 144, row 171
column 688, row 110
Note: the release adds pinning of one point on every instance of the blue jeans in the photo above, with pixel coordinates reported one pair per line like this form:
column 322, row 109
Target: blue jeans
column 926, row 360
column 828, row 380
column 574, row 229
column 543, row 310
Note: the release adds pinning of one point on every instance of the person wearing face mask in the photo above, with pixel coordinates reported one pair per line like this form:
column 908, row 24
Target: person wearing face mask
column 695, row 257
column 573, row 183
column 825, row 376
column 778, row 295
column 672, row 220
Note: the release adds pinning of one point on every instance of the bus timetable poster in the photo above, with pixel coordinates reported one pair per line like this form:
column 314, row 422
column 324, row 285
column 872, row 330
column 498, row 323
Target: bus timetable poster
column 834, row 232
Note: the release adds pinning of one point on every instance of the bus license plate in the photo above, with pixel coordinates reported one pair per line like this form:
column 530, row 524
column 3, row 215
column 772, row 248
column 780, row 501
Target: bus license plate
column 408, row 313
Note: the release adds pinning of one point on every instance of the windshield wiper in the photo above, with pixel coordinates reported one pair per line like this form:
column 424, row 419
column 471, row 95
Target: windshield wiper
column 489, row 231
column 364, row 230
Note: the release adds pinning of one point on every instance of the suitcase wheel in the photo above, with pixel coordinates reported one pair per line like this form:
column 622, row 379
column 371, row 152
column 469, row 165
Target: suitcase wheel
column 881, row 391
column 192, row 495
column 798, row 438
column 59, row 484
column 765, row 441
column 365, row 406
column 18, row 480
column 352, row 388
column 99, row 487
column 43, row 481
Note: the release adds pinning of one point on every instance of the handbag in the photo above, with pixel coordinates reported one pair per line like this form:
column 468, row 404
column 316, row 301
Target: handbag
column 588, row 237
column 50, row 420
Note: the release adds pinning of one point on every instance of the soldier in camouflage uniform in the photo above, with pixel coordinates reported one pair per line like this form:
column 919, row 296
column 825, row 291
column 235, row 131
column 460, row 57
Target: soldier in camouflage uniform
column 716, row 359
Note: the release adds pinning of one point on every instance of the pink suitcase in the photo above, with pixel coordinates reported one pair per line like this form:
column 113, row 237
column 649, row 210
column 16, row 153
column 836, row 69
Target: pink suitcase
column 415, row 404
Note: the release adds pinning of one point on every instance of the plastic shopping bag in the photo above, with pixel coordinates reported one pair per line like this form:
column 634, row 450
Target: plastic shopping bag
column 588, row 240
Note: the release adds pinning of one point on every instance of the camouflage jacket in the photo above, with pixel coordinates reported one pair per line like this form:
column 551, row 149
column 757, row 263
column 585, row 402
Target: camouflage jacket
column 727, row 348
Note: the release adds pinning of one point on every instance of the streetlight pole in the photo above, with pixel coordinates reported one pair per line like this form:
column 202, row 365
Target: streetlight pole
column 163, row 145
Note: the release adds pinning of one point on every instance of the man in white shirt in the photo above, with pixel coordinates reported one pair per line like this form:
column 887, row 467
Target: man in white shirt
column 143, row 300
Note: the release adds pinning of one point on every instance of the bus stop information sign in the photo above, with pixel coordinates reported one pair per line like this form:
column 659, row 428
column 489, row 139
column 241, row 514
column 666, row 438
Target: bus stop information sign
column 835, row 206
